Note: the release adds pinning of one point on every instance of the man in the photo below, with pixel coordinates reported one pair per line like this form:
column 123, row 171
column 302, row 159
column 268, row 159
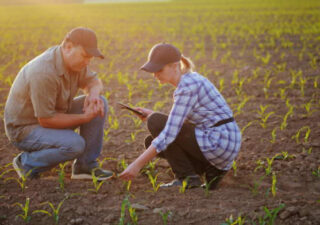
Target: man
column 40, row 112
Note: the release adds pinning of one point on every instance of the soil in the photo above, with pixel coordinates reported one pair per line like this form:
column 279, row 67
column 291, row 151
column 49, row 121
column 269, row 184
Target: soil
column 244, row 192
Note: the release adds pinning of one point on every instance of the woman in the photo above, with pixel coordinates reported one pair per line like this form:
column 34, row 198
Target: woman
column 199, row 136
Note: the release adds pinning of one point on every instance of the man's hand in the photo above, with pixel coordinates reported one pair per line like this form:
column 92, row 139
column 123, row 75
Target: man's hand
column 95, row 102
column 146, row 112
column 91, row 111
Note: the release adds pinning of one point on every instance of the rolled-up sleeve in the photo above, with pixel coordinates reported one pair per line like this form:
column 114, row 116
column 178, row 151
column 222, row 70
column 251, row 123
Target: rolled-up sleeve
column 86, row 76
column 184, row 101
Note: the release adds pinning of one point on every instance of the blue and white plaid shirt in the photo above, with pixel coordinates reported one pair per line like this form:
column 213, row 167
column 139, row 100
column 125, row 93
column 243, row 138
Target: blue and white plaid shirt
column 198, row 101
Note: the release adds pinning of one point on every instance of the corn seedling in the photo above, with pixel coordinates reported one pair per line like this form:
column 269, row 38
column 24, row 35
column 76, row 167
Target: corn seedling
column 302, row 83
column 309, row 150
column 61, row 175
column 241, row 105
column 307, row 106
column 165, row 216
column 158, row 105
column 284, row 156
column 132, row 212
column 313, row 62
column 183, row 188
column 153, row 181
column 105, row 159
column 114, row 123
column 273, row 135
column 221, row 85
column 284, row 123
column 208, row 185
column 238, row 89
column 262, row 110
column 306, row 137
column 25, row 209
column 150, row 167
column 106, row 136
column 95, row 181
column 273, row 186
column 123, row 211
column 234, row 167
column 230, row 221
column 315, row 82
column 264, row 119
column 267, row 87
column 316, row 172
column 268, row 169
column 4, row 171
column 122, row 166
column 246, row 126
column 283, row 94
column 294, row 76
column 21, row 181
column 55, row 211
column 133, row 135
column 256, row 185
column 269, row 217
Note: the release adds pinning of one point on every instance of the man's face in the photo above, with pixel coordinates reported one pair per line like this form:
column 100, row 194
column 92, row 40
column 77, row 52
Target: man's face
column 76, row 58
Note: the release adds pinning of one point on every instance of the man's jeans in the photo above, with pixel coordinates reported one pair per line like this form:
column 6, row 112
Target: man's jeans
column 45, row 148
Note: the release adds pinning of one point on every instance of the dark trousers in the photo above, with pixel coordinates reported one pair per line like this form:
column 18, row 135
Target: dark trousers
column 183, row 154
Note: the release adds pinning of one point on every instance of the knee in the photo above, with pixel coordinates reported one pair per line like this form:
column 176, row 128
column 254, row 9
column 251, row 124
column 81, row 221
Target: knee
column 156, row 122
column 105, row 104
column 77, row 145
column 147, row 141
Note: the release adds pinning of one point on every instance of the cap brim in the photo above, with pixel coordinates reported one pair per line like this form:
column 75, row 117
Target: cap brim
column 151, row 67
column 94, row 52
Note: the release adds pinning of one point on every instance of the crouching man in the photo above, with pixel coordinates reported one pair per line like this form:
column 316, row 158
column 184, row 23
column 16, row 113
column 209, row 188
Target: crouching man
column 41, row 112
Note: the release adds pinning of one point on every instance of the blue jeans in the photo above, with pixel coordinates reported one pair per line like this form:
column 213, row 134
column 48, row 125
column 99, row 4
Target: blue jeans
column 45, row 148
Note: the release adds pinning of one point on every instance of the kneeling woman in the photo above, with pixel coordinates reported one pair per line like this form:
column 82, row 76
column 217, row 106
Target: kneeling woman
column 199, row 136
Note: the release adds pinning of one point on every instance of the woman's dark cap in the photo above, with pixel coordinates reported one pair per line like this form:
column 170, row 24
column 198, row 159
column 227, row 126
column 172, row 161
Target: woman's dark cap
column 161, row 55
column 87, row 39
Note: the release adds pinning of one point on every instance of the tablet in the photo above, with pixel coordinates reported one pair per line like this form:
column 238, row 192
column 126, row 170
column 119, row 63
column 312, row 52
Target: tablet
column 131, row 109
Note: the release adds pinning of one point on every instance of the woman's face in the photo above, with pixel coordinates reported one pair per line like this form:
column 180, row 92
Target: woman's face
column 166, row 74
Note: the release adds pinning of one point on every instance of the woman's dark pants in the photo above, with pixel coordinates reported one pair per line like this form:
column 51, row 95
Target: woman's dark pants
column 183, row 155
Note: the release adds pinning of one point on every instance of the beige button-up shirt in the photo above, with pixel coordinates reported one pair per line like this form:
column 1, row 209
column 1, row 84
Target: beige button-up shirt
column 42, row 88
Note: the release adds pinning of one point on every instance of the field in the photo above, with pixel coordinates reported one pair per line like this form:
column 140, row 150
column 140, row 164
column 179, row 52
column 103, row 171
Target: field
column 264, row 56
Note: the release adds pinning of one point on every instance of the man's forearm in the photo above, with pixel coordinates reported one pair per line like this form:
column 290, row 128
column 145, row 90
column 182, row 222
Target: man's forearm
column 94, row 88
column 63, row 120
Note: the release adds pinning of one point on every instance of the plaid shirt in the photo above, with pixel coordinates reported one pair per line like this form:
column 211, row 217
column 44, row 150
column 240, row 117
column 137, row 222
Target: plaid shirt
column 198, row 101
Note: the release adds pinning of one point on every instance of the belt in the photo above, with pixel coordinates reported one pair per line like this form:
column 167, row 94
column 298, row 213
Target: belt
column 221, row 122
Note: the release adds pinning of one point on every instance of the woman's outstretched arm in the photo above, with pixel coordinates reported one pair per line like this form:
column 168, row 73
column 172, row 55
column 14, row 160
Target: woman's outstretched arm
column 133, row 169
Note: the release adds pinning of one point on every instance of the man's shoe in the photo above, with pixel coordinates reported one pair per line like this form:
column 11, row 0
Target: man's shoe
column 193, row 182
column 22, row 172
column 18, row 166
column 100, row 174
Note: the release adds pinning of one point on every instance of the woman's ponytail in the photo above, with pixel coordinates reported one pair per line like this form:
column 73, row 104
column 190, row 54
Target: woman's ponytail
column 186, row 64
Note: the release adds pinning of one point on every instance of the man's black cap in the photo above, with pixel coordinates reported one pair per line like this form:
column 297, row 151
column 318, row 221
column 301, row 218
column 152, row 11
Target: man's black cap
column 161, row 55
column 87, row 39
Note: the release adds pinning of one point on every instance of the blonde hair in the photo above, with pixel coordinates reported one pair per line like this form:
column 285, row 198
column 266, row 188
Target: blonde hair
column 186, row 64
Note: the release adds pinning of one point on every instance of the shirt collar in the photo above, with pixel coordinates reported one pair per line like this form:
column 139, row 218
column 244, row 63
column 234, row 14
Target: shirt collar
column 60, row 66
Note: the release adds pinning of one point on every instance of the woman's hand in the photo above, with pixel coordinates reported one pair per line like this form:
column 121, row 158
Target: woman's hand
column 146, row 112
column 130, row 172
column 133, row 169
